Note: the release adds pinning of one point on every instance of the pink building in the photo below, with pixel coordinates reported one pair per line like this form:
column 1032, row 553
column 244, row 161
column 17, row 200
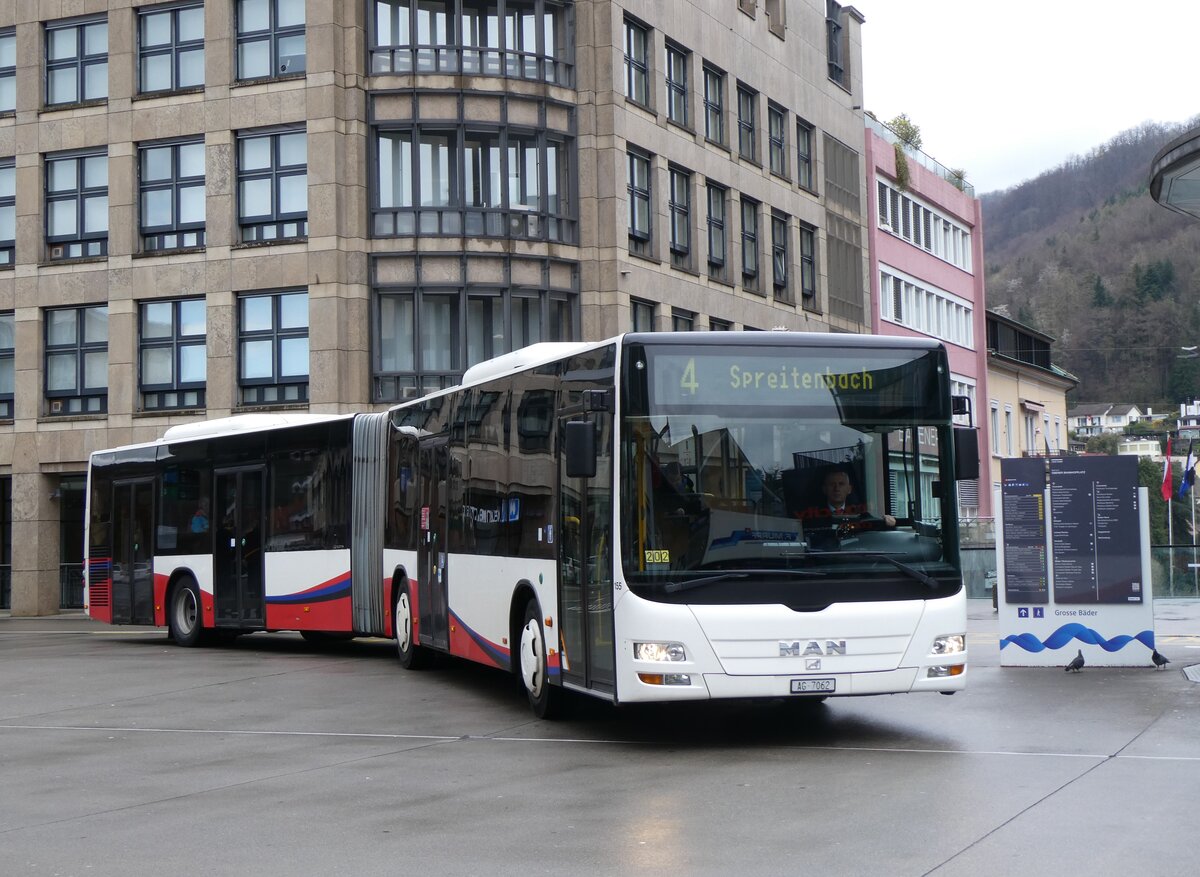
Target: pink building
column 926, row 252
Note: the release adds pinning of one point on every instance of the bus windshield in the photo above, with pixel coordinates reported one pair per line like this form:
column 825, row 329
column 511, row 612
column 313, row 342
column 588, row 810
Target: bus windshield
column 787, row 474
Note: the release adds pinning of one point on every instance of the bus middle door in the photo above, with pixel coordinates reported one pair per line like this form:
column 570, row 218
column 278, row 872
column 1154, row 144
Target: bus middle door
column 238, row 574
column 433, row 609
column 133, row 554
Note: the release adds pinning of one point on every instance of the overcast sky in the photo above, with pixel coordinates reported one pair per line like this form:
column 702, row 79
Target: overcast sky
column 1007, row 89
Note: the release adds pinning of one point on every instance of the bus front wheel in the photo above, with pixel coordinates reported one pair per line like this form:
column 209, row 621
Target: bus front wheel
column 183, row 621
column 546, row 700
column 412, row 656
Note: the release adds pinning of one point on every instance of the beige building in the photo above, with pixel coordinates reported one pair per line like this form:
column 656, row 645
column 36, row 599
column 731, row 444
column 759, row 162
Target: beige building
column 218, row 206
column 1027, row 393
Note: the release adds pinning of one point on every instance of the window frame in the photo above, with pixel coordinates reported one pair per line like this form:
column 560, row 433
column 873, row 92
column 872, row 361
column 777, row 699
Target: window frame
column 679, row 213
column 808, row 265
column 682, row 321
column 93, row 244
column 781, row 256
column 805, row 143
column 714, row 107
column 640, row 239
column 253, row 392
column 189, row 394
column 272, row 227
column 273, row 34
column 777, row 153
column 155, row 239
column 639, row 309
column 637, row 62
column 81, row 61
column 176, row 48
column 751, row 256
column 747, row 120
column 90, row 400
column 8, row 364
column 676, row 74
column 8, row 72
column 8, row 205
column 718, row 229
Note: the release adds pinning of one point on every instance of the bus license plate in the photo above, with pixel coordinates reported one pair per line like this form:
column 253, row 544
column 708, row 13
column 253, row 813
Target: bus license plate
column 813, row 686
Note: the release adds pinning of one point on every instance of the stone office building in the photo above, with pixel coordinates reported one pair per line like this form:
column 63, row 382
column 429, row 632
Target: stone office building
column 218, row 206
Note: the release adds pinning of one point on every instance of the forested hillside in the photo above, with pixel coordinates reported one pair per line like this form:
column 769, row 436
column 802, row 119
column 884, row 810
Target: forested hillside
column 1084, row 254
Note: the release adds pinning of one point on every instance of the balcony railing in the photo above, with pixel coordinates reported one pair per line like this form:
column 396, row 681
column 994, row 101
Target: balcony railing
column 926, row 161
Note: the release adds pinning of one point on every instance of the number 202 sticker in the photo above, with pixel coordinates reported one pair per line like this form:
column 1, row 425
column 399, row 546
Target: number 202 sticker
column 658, row 555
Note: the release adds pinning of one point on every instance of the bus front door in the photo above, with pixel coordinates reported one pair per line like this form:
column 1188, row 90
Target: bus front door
column 585, row 569
column 238, row 575
column 433, row 609
column 132, row 568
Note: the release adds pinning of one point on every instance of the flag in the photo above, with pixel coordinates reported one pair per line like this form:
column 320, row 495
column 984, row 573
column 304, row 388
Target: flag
column 1189, row 470
column 1166, row 482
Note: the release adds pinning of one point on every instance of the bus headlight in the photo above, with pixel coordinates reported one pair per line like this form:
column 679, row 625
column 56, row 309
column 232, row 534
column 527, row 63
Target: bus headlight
column 950, row 644
column 659, row 652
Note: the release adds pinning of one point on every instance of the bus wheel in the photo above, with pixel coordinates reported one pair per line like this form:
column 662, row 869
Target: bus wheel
column 546, row 700
column 183, row 619
column 412, row 656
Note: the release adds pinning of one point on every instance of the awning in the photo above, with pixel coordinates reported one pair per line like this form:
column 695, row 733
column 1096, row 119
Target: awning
column 1030, row 405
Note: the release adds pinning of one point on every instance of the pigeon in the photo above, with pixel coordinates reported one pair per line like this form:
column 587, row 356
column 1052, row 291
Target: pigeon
column 1159, row 660
column 1076, row 662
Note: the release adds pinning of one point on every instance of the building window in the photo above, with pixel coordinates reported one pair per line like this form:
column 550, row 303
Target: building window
column 170, row 48
column 776, row 17
column 76, row 62
column 922, row 226
column 77, row 205
column 808, row 266
column 715, row 325
column 682, row 321
column 749, row 243
column 171, row 177
column 677, row 84
column 717, row 240
column 270, row 38
column 995, row 424
column 273, row 348
column 643, row 315
column 495, row 184
column 77, row 360
column 273, row 185
column 637, row 63
column 925, row 308
column 779, row 255
column 638, row 187
column 531, row 40
column 747, row 105
column 714, row 105
column 419, row 344
column 834, row 46
column 8, row 346
column 777, row 139
column 173, row 354
column 680, row 208
column 8, row 212
column 1008, row 431
column 8, row 70
column 804, row 155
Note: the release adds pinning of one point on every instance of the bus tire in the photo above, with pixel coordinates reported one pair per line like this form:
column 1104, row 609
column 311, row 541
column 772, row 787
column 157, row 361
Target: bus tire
column 412, row 656
column 547, row 701
column 183, row 617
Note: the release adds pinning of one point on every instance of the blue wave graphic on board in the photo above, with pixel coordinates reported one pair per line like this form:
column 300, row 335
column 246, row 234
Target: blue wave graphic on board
column 1076, row 631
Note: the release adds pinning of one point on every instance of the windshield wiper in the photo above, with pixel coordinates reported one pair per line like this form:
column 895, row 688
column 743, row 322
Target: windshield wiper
column 688, row 584
column 922, row 577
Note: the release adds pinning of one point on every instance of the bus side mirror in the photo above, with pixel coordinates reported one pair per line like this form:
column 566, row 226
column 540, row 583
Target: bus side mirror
column 966, row 453
column 580, row 449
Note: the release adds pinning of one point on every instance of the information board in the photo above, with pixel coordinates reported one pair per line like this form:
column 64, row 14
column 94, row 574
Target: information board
column 1023, row 494
column 1094, row 515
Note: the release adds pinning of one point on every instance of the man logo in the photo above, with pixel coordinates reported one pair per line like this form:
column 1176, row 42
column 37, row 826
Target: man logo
column 795, row 650
column 812, row 663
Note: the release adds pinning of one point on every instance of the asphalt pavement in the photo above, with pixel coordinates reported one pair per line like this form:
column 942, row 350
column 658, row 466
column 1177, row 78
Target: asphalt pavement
column 123, row 754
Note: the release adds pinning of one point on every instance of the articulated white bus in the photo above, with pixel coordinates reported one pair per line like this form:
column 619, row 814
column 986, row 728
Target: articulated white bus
column 666, row 516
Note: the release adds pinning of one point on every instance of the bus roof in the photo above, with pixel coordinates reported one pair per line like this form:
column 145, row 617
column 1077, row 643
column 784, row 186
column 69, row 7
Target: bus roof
column 240, row 423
